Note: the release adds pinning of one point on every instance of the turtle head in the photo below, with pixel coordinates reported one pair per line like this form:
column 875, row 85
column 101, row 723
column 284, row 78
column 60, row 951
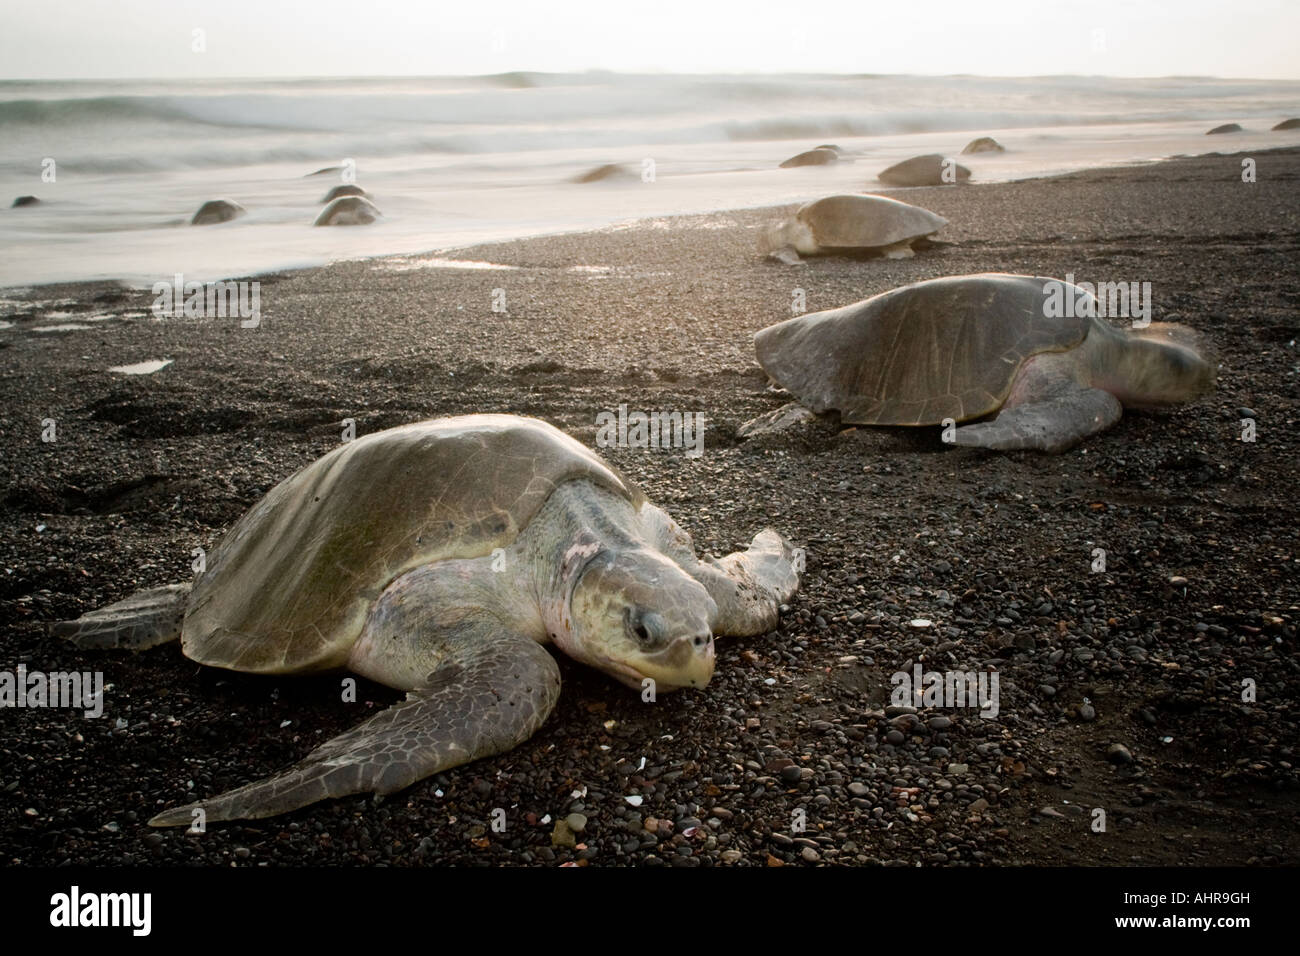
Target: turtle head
column 1162, row 366
column 792, row 232
column 635, row 614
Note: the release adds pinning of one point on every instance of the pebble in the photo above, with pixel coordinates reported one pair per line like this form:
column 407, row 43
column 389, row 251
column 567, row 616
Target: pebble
column 562, row 835
column 1118, row 753
column 1087, row 713
column 576, row 821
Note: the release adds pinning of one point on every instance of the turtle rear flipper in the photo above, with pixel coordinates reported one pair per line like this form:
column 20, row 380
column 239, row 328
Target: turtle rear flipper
column 145, row 619
column 1052, row 424
column 487, row 695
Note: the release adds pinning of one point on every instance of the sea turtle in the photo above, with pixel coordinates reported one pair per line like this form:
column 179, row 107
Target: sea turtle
column 1225, row 128
column 1287, row 124
column 853, row 223
column 607, row 172
column 343, row 189
column 1034, row 350
column 820, row 156
column 217, row 210
column 983, row 144
column 348, row 211
column 25, row 201
column 933, row 169
column 438, row 558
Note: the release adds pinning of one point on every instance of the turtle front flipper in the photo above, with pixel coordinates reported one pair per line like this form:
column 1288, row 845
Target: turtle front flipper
column 748, row 587
column 486, row 696
column 1051, row 424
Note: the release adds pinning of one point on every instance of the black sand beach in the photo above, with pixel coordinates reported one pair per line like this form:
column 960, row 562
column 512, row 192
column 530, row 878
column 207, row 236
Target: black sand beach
column 995, row 549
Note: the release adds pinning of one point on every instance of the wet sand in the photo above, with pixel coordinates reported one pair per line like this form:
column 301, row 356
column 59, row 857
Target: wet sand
column 994, row 549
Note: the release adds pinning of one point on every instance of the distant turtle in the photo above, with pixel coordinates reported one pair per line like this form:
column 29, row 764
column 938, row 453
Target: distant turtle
column 984, row 144
column 217, row 210
column 1225, row 128
column 853, row 223
column 25, row 201
column 821, row 156
column 615, row 171
column 963, row 347
column 344, row 189
column 439, row 558
column 1287, row 124
column 348, row 211
column 933, row 169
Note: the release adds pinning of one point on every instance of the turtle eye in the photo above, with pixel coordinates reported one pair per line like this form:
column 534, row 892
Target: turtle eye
column 645, row 626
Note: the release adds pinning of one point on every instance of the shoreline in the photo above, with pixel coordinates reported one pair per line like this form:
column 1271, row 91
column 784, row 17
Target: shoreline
column 448, row 252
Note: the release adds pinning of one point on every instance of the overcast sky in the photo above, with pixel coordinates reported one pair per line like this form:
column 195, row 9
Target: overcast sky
column 155, row 38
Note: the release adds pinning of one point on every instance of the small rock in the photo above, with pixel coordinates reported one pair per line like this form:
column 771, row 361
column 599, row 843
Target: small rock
column 576, row 822
column 562, row 835
column 1118, row 753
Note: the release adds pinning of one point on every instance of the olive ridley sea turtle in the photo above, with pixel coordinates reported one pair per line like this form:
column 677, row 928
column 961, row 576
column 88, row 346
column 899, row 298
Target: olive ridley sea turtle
column 438, row 558
column 932, row 169
column 821, row 156
column 1034, row 350
column 348, row 211
column 853, row 223
column 217, row 210
column 343, row 189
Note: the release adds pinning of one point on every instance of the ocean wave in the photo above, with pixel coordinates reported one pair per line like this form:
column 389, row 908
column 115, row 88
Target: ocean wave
column 79, row 111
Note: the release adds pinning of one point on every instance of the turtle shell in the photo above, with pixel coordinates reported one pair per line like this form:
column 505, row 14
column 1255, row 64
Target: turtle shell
column 924, row 170
column 866, row 222
column 289, row 586
column 945, row 348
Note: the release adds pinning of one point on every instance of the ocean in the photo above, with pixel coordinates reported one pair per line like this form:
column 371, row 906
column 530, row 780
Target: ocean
column 453, row 161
